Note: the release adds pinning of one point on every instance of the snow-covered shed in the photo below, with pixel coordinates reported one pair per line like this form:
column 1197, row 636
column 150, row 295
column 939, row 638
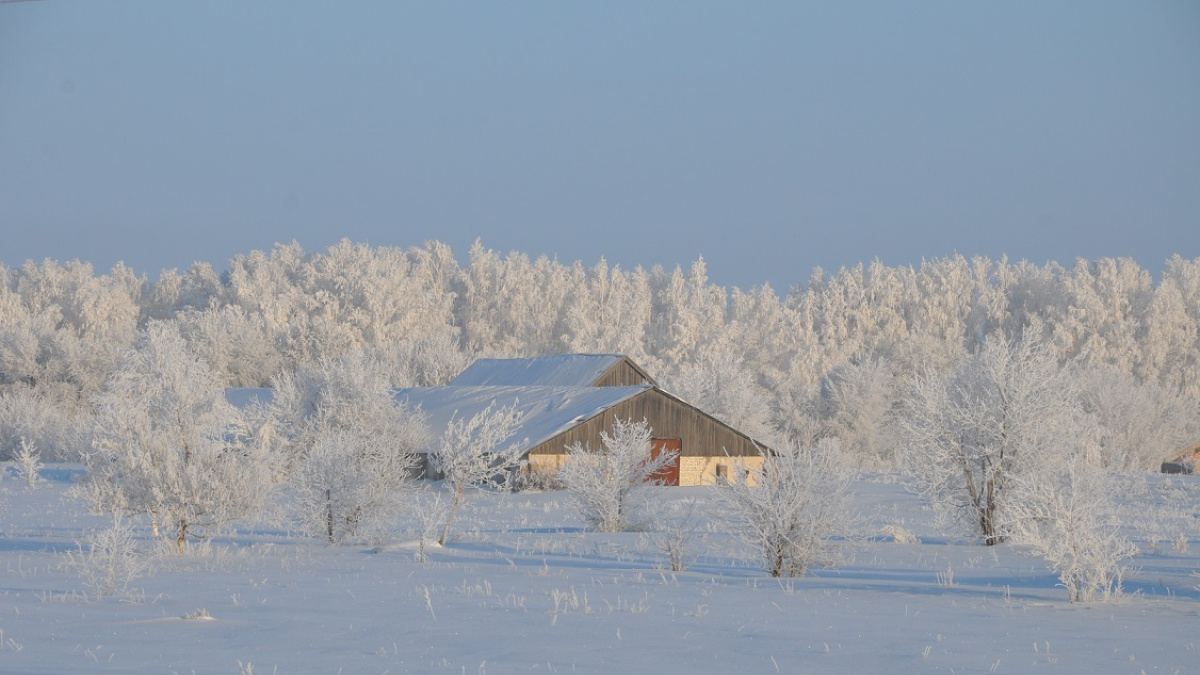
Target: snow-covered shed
column 1184, row 461
column 560, row 370
column 555, row 417
column 571, row 398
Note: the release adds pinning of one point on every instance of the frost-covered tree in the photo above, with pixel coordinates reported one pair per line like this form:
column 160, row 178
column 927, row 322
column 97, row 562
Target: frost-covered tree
column 608, row 311
column 108, row 560
column 1173, row 333
column 349, row 297
column 428, row 512
column 677, row 526
column 63, row 329
column 28, row 344
column 609, row 485
column 421, row 360
column 510, row 306
column 940, row 304
column 348, row 485
column 303, row 317
column 198, row 288
column 761, row 328
column 687, row 314
column 235, row 344
column 28, row 464
column 27, row 413
column 1105, row 303
column 168, row 445
column 344, row 392
column 793, row 508
column 472, row 451
column 1069, row 518
column 352, row 447
column 1139, row 421
column 857, row 398
column 842, row 307
column 1002, row 414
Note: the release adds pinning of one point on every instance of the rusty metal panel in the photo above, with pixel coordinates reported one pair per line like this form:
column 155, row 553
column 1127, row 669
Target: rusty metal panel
column 669, row 474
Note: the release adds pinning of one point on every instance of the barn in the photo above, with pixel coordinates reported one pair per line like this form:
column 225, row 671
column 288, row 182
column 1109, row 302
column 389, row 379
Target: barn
column 571, row 398
column 1184, row 461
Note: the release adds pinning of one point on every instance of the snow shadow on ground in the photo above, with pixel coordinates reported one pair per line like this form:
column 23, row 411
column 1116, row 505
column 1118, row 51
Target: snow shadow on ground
column 16, row 544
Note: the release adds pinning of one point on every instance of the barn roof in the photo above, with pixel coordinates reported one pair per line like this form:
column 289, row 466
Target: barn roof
column 560, row 370
column 545, row 411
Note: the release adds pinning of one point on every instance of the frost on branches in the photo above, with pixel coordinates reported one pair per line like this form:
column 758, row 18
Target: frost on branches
column 168, row 445
column 108, row 560
column 979, row 434
column 793, row 508
column 352, row 448
column 470, row 453
column 28, row 464
column 609, row 485
column 1070, row 521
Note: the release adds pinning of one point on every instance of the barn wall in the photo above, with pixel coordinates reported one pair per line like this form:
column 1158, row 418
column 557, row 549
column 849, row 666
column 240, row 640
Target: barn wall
column 713, row 470
column 702, row 435
column 705, row 441
column 545, row 462
column 692, row 470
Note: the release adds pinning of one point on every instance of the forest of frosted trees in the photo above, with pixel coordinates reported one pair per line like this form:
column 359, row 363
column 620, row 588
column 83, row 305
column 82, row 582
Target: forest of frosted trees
column 838, row 356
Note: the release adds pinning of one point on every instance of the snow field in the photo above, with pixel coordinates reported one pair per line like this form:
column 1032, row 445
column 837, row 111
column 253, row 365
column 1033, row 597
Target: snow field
column 523, row 587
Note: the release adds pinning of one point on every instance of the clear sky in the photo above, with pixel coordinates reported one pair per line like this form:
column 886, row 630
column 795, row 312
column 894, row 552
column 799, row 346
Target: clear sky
column 768, row 137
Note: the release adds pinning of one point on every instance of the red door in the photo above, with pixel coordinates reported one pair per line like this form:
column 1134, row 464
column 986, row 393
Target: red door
column 669, row 474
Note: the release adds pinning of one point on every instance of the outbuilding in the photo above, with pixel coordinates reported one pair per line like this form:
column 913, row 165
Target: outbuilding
column 1184, row 461
column 571, row 398
column 555, row 418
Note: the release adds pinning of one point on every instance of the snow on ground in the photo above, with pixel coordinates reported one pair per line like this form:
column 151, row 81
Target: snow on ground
column 524, row 589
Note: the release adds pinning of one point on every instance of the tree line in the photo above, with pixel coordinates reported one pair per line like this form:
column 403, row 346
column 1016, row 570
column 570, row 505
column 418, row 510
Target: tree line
column 836, row 356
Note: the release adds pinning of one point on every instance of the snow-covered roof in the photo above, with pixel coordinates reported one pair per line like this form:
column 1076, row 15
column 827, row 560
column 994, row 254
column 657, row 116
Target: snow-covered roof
column 562, row 370
column 545, row 411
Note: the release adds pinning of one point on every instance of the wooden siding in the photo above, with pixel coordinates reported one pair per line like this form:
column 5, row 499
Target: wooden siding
column 624, row 374
column 668, row 417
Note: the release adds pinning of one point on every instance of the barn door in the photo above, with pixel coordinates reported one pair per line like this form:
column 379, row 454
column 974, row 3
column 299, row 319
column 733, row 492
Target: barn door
column 669, row 474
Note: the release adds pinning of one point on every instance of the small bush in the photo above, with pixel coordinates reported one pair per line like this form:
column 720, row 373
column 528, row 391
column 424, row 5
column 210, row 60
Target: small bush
column 28, row 463
column 676, row 528
column 608, row 485
column 793, row 509
column 108, row 560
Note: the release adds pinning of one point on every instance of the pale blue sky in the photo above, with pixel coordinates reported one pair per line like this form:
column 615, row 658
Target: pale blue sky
column 768, row 137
